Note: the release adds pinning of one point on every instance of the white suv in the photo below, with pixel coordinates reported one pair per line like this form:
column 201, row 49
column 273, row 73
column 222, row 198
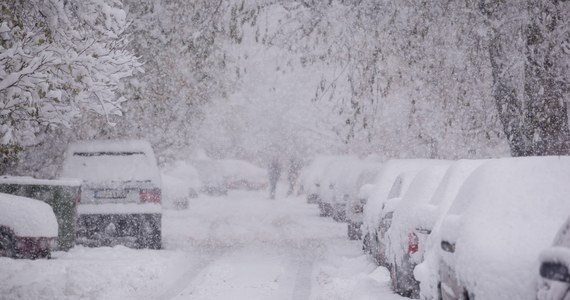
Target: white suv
column 121, row 193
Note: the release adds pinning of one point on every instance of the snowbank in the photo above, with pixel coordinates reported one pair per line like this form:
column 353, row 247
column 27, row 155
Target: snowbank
column 27, row 217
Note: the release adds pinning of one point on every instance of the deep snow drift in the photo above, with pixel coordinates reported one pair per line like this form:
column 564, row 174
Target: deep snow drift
column 243, row 246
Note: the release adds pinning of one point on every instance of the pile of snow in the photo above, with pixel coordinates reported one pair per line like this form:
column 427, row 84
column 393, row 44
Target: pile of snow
column 514, row 209
column 27, row 217
column 109, row 160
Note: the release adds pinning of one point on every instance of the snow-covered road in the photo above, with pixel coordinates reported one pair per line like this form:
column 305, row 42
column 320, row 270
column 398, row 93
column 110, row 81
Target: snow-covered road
column 243, row 246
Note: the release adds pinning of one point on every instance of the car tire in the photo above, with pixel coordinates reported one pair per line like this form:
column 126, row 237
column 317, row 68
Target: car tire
column 7, row 245
column 150, row 235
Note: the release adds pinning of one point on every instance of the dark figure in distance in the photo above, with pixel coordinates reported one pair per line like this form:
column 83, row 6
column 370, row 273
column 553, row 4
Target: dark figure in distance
column 293, row 174
column 274, row 174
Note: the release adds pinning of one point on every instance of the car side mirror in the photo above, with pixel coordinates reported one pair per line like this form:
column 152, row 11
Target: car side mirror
column 555, row 271
column 447, row 246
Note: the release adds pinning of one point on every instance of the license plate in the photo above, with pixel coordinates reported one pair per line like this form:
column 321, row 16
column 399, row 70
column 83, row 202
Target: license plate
column 111, row 194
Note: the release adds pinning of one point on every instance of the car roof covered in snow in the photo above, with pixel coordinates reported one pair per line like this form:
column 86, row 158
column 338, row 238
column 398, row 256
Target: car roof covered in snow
column 27, row 217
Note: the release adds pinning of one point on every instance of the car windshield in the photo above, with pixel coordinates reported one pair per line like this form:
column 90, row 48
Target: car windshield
column 109, row 166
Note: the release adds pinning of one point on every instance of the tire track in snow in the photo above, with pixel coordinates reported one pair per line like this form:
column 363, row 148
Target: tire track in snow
column 185, row 281
column 302, row 259
column 303, row 280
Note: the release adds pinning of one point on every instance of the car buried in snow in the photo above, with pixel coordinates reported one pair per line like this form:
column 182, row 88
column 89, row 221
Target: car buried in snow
column 401, row 238
column 28, row 227
column 506, row 212
column 121, row 195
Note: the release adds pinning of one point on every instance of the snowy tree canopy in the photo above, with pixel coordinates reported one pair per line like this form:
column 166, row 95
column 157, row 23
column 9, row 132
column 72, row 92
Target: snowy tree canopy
column 59, row 60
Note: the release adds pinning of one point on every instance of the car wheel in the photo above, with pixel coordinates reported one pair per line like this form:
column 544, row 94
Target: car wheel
column 7, row 246
column 150, row 234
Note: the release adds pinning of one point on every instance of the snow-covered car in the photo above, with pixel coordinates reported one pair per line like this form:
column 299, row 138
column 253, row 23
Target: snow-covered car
column 354, row 212
column 121, row 193
column 211, row 175
column 378, row 238
column 505, row 214
column 427, row 218
column 401, row 239
column 180, row 183
column 350, row 197
column 28, row 227
column 338, row 183
column 311, row 177
column 242, row 175
column 554, row 282
column 382, row 186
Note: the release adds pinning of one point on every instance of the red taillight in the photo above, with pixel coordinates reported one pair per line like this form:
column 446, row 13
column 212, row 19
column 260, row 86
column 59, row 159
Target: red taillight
column 150, row 196
column 412, row 243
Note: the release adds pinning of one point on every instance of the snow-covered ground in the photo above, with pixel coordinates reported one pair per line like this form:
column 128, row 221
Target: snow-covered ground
column 243, row 246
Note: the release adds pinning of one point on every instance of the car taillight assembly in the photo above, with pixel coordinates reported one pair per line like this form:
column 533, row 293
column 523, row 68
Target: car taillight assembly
column 150, row 196
column 413, row 245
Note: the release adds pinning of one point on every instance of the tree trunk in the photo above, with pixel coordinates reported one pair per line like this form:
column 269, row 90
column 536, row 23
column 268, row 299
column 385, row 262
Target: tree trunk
column 537, row 124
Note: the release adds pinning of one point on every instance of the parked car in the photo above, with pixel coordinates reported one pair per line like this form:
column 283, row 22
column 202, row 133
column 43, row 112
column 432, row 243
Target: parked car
column 505, row 213
column 401, row 239
column 180, row 184
column 338, row 182
column 379, row 238
column 311, row 177
column 211, row 175
column 382, row 185
column 28, row 227
column 354, row 212
column 121, row 194
column 427, row 218
column 554, row 281
column 242, row 175
column 356, row 197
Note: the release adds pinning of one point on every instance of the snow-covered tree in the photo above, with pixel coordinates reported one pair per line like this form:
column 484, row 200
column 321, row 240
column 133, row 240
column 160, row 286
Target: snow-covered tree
column 180, row 43
column 530, row 54
column 59, row 60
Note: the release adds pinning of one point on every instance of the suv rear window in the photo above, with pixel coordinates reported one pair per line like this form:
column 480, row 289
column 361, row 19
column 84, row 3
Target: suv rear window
column 104, row 166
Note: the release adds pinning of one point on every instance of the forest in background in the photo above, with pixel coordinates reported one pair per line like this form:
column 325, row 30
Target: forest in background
column 249, row 79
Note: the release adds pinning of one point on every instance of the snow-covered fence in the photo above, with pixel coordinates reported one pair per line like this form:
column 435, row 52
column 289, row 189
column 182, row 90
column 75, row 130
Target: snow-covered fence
column 61, row 195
